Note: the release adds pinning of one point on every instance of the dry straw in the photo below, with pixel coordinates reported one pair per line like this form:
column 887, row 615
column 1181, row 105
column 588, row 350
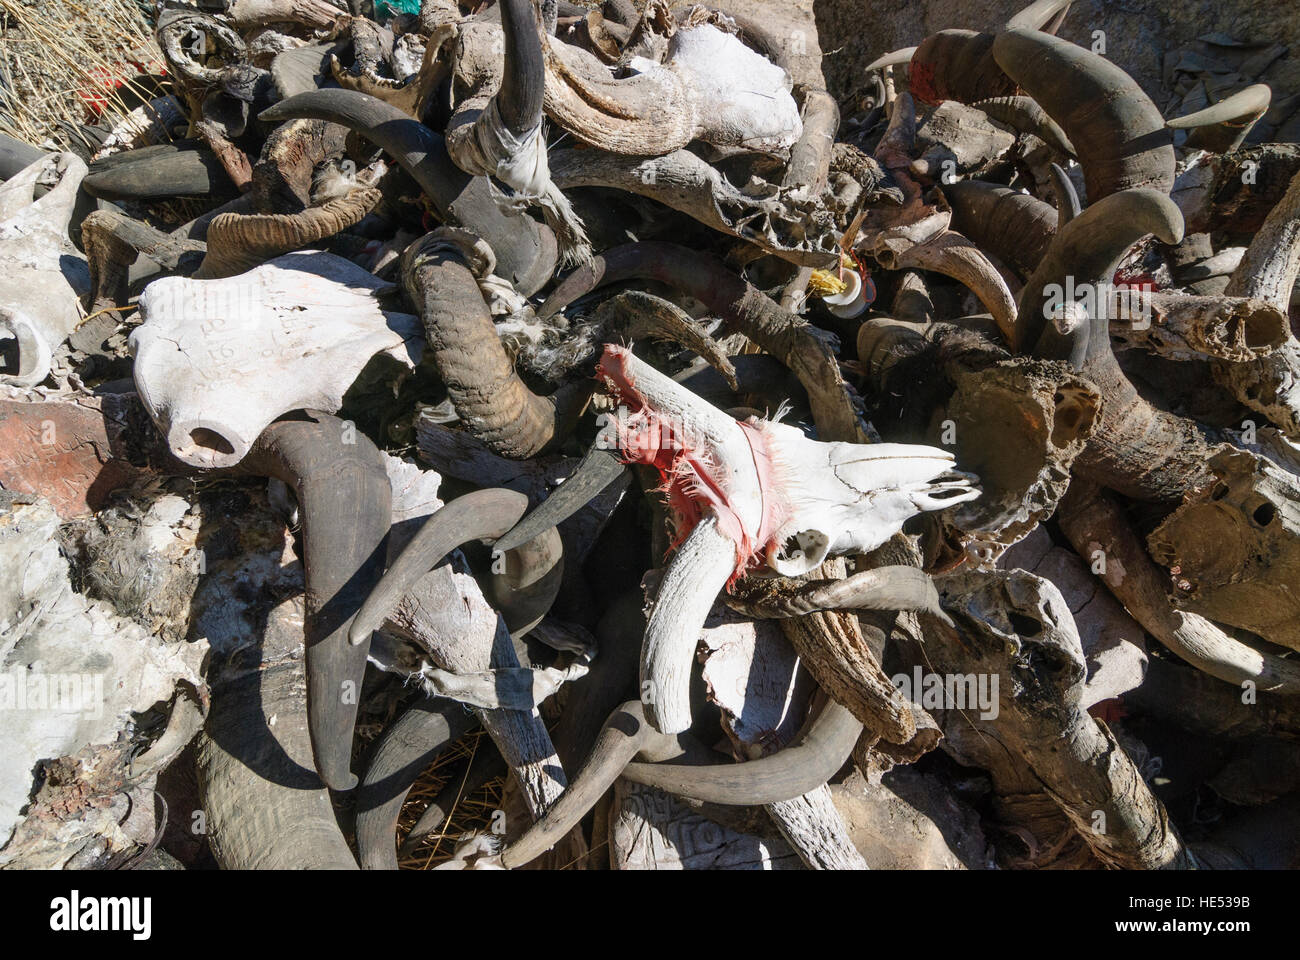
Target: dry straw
column 56, row 56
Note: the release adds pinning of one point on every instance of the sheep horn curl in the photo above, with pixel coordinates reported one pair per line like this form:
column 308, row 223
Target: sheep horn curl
column 485, row 389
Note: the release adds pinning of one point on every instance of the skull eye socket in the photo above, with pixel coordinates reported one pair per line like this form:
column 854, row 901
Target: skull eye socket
column 1264, row 514
column 799, row 553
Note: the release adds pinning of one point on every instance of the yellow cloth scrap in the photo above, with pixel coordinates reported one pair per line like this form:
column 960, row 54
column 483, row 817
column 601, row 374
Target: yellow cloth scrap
column 824, row 283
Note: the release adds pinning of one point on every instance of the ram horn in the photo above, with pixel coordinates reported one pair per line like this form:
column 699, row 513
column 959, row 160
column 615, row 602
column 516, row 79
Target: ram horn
column 484, row 387
column 1014, row 227
column 1025, row 115
column 239, row 242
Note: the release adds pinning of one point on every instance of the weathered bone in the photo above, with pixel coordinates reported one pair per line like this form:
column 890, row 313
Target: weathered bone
column 729, row 510
column 42, row 275
column 1098, row 530
column 711, row 88
column 1233, row 545
column 1268, row 270
column 52, row 631
column 787, row 223
column 1040, row 718
column 238, row 339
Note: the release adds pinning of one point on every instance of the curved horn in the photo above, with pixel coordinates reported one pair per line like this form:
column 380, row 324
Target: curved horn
column 1067, row 198
column 1016, row 228
column 526, row 251
column 485, row 389
column 345, row 502
column 265, row 808
column 1137, row 449
column 821, row 750
column 957, row 65
column 891, row 59
column 1222, row 127
column 519, row 101
column 1024, row 114
column 692, row 581
column 625, row 735
column 480, row 515
column 1038, row 15
column 955, row 256
column 239, row 242
column 598, row 469
column 1087, row 252
column 406, row 750
column 1116, row 130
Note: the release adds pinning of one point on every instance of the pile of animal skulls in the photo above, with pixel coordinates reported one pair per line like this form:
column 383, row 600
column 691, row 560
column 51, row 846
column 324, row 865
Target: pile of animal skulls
column 752, row 481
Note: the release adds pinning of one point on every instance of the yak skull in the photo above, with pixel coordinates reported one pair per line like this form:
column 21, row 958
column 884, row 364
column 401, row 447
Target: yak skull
column 752, row 494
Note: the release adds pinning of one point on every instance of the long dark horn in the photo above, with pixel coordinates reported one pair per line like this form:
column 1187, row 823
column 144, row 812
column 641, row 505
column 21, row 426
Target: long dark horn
column 157, row 172
column 526, row 251
column 345, row 501
column 1116, row 130
column 599, row 468
column 480, row 515
column 406, row 750
column 519, row 100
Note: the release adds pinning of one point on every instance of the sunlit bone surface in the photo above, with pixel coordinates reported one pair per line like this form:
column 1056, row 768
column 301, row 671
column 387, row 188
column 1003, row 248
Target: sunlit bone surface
column 218, row 360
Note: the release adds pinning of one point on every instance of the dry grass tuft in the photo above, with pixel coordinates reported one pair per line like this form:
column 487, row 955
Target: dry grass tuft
column 472, row 812
column 71, row 62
